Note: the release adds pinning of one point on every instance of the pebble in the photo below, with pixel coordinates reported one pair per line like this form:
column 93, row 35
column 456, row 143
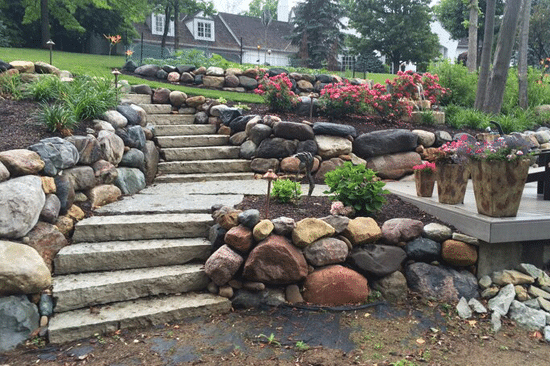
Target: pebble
column 293, row 295
column 226, row 291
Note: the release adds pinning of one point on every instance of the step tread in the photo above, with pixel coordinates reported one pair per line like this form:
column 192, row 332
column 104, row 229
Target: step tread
column 184, row 130
column 77, row 324
column 181, row 178
column 192, row 141
column 104, row 256
column 205, row 166
column 75, row 291
column 205, row 153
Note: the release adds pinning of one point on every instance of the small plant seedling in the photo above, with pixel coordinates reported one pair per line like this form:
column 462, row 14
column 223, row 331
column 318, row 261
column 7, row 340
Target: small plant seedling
column 302, row 346
column 244, row 107
column 221, row 100
column 270, row 340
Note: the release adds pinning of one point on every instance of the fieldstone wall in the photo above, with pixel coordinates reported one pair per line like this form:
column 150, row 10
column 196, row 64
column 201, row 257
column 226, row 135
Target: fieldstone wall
column 336, row 260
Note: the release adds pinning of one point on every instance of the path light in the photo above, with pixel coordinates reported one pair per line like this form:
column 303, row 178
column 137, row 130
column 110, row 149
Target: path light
column 270, row 176
column 259, row 54
column 115, row 72
column 50, row 44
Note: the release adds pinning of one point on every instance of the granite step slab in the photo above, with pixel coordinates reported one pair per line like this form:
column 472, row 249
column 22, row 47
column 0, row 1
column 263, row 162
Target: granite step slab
column 205, row 166
column 136, row 99
column 117, row 255
column 203, row 153
column 140, row 227
column 191, row 178
column 171, row 119
column 181, row 130
column 78, row 324
column 156, row 108
column 192, row 141
column 77, row 291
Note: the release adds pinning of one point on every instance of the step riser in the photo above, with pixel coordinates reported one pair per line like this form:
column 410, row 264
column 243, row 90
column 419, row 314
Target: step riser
column 156, row 108
column 110, row 228
column 89, row 293
column 90, row 257
column 136, row 314
column 192, row 141
column 185, row 154
column 171, row 119
column 136, row 98
column 189, row 178
column 192, row 167
column 184, row 130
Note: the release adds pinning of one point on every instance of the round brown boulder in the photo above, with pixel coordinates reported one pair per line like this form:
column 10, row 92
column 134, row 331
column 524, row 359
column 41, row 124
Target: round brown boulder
column 336, row 285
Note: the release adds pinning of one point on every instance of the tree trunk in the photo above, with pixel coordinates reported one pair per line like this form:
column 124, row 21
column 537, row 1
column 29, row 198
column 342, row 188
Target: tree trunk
column 167, row 12
column 472, row 37
column 176, row 26
column 303, row 53
column 505, row 44
column 486, row 54
column 44, row 22
column 523, row 49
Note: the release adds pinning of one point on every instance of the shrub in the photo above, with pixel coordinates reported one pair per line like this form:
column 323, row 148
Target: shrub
column 341, row 99
column 285, row 190
column 57, row 117
column 47, row 88
column 90, row 97
column 356, row 186
column 10, row 85
column 277, row 93
column 458, row 117
column 463, row 84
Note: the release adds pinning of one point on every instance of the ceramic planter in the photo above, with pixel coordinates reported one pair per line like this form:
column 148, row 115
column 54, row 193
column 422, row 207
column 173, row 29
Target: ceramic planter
column 425, row 181
column 451, row 182
column 498, row 185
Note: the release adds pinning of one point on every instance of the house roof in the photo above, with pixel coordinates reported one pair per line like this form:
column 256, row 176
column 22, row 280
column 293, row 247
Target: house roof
column 253, row 32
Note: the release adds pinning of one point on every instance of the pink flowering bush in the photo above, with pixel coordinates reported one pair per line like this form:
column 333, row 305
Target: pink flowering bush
column 426, row 167
column 277, row 92
column 405, row 85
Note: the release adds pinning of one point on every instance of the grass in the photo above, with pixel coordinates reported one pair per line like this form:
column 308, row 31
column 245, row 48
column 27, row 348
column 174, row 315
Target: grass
column 101, row 65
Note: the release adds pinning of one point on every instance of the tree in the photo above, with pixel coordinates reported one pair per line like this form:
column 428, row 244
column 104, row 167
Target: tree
column 472, row 36
column 65, row 12
column 486, row 54
column 398, row 29
column 539, row 31
column 494, row 92
column 523, row 51
column 317, row 32
column 257, row 7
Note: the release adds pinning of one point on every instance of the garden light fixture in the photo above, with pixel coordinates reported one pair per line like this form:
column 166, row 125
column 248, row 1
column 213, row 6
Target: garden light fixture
column 50, row 44
column 270, row 176
column 115, row 72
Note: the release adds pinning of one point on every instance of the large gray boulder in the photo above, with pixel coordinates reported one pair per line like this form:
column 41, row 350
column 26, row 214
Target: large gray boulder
column 22, row 270
column 82, row 177
column 377, row 260
column 112, row 147
column 131, row 115
column 151, row 157
column 133, row 158
column 147, row 70
column 58, row 154
column 130, row 180
column 384, row 142
column 21, row 201
column 18, row 319
column 441, row 282
column 334, row 129
column 259, row 132
column 115, row 118
column 276, row 148
column 88, row 148
column 65, row 192
column 21, row 162
column 293, row 130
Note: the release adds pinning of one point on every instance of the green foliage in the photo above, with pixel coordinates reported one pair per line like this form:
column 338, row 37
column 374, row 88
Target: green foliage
column 4, row 40
column 257, row 7
column 57, row 117
column 302, row 346
column 456, row 77
column 47, row 88
column 270, row 339
column 427, row 118
column 285, row 190
column 90, row 97
column 244, row 107
column 194, row 57
column 369, row 62
column 10, row 85
column 399, row 29
column 356, row 186
column 458, row 117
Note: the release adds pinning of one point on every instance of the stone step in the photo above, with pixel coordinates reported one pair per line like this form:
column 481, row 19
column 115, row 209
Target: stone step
column 116, row 255
column 78, row 324
column 135, row 98
column 180, row 130
column 192, row 141
column 156, row 108
column 203, row 153
column 77, row 291
column 141, row 227
column 188, row 178
column 171, row 119
column 205, row 166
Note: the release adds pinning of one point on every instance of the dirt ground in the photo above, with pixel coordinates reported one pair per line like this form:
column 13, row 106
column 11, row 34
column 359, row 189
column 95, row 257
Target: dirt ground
column 419, row 332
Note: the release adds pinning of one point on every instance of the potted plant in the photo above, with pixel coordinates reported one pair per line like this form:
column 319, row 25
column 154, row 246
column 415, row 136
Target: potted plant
column 424, row 177
column 452, row 172
column 499, row 170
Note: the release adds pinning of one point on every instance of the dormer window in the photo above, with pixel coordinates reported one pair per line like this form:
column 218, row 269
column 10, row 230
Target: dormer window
column 157, row 25
column 204, row 30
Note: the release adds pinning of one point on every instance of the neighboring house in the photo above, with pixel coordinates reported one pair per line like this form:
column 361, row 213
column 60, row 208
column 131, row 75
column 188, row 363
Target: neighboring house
column 237, row 38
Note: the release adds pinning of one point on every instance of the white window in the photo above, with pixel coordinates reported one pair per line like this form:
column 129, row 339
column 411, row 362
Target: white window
column 157, row 25
column 204, row 29
column 347, row 62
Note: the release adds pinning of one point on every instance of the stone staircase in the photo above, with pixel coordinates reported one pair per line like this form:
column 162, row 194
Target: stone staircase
column 192, row 152
column 136, row 269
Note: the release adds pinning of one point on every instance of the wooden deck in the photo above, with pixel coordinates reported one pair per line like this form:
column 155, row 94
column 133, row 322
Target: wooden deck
column 531, row 224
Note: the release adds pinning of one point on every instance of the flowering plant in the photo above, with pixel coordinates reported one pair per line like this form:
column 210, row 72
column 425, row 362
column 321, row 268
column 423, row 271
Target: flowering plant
column 507, row 148
column 277, row 92
column 341, row 99
column 426, row 167
column 410, row 85
column 113, row 40
column 453, row 152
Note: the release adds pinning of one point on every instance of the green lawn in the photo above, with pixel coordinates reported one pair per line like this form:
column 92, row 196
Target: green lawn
column 101, row 65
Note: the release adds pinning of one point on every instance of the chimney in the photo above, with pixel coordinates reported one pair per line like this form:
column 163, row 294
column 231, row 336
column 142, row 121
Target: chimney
column 283, row 11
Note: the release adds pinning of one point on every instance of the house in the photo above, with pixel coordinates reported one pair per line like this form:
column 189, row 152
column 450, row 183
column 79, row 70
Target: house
column 237, row 38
